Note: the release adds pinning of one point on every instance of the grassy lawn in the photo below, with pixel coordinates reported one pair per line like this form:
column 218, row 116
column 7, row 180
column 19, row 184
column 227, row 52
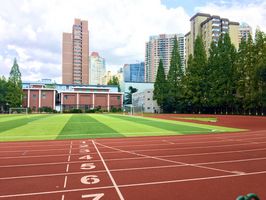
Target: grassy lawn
column 74, row 126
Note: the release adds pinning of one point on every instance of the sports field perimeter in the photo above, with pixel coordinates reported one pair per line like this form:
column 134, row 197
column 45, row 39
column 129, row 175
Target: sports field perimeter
column 164, row 165
column 75, row 126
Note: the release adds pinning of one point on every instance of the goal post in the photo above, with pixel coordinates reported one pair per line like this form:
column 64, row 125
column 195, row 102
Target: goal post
column 133, row 110
column 18, row 110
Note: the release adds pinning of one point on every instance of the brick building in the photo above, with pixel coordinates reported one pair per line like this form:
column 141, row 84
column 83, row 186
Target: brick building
column 65, row 97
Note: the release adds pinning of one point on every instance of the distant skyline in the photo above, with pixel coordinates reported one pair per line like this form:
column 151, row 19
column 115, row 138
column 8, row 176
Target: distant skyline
column 31, row 30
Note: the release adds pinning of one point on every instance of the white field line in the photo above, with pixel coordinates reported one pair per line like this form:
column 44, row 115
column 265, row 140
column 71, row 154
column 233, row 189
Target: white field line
column 135, row 185
column 133, row 168
column 109, row 173
column 171, row 161
column 139, row 158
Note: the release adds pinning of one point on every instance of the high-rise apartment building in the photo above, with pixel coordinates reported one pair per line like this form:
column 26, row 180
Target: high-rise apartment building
column 75, row 55
column 210, row 28
column 97, row 69
column 134, row 72
column 244, row 31
column 160, row 47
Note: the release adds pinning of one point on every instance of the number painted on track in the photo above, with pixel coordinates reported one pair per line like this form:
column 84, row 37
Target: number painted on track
column 84, row 151
column 90, row 179
column 94, row 196
column 86, row 157
column 87, row 166
column 83, row 145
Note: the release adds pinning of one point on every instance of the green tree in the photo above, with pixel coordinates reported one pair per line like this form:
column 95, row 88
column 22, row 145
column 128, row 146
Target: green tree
column 260, row 71
column 14, row 87
column 128, row 99
column 15, row 75
column 174, row 79
column 3, row 92
column 114, row 81
column 196, row 80
column 160, row 86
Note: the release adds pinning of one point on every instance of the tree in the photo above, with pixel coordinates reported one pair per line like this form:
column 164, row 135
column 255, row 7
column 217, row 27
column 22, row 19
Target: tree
column 174, row 78
column 160, row 86
column 260, row 71
column 128, row 99
column 196, row 80
column 15, row 75
column 3, row 92
column 114, row 81
column 14, row 87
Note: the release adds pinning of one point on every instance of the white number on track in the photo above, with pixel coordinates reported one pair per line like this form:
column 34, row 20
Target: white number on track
column 87, row 166
column 95, row 196
column 86, row 157
column 90, row 179
column 83, row 145
column 84, row 150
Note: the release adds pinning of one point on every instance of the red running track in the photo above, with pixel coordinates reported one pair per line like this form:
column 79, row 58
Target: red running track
column 213, row 166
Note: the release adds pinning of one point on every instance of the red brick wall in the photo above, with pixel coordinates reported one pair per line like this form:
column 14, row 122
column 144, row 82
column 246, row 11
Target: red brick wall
column 115, row 101
column 25, row 99
column 100, row 100
column 69, row 98
column 85, row 99
column 34, row 99
column 47, row 99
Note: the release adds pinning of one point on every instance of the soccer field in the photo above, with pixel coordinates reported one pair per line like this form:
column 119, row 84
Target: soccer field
column 74, row 126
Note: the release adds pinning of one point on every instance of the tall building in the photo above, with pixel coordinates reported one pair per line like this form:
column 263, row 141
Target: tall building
column 160, row 47
column 107, row 77
column 134, row 72
column 97, row 69
column 210, row 28
column 76, row 54
column 244, row 31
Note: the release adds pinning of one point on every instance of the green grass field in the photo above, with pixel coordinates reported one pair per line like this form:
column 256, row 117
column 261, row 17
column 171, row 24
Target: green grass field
column 74, row 126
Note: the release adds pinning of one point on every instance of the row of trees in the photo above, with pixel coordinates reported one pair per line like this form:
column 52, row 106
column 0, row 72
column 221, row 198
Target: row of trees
column 11, row 89
column 225, row 81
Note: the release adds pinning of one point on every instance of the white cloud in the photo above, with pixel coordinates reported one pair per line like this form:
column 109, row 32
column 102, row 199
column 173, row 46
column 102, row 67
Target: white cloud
column 32, row 30
column 253, row 13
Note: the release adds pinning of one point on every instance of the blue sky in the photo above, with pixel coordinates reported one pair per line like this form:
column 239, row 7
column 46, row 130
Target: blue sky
column 31, row 30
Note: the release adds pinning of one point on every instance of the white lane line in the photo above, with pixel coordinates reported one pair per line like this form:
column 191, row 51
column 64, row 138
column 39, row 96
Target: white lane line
column 186, row 138
column 138, row 158
column 109, row 173
column 36, row 150
column 115, row 151
column 40, row 164
column 168, row 142
column 201, row 147
column 137, row 184
column 41, row 156
column 65, row 182
column 171, row 161
column 67, row 167
column 132, row 169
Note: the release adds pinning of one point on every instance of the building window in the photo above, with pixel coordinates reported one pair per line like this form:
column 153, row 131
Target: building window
column 148, row 99
column 118, row 97
column 34, row 96
column 43, row 95
column 148, row 108
column 65, row 97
